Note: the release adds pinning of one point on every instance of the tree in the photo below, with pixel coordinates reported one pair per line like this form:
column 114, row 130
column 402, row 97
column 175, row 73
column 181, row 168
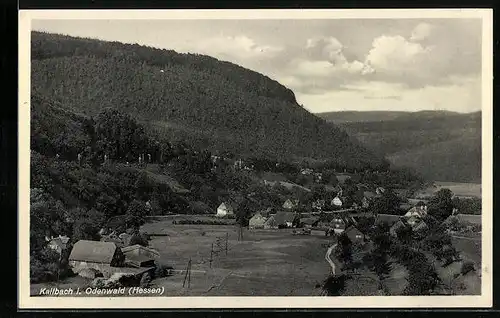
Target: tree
column 404, row 234
column 388, row 203
column 344, row 249
column 85, row 230
column 441, row 204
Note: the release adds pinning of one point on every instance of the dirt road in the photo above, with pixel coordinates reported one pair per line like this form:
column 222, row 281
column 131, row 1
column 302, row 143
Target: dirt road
column 328, row 259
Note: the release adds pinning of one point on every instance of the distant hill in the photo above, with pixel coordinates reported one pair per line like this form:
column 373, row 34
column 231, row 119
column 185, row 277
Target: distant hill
column 357, row 117
column 443, row 146
column 192, row 98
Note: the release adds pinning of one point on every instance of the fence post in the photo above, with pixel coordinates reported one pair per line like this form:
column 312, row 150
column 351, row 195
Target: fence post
column 227, row 238
column 189, row 274
column 186, row 275
column 211, row 254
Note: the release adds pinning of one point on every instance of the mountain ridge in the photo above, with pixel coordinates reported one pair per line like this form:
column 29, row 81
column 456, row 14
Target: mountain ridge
column 190, row 98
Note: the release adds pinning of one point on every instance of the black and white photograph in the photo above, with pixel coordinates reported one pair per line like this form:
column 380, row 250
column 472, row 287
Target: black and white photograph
column 227, row 156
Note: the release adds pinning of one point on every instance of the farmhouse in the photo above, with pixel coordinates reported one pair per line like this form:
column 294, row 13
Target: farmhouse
column 368, row 196
column 139, row 256
column 419, row 226
column 338, row 224
column 337, row 201
column 97, row 255
column 224, row 209
column 289, row 204
column 310, row 222
column 285, row 219
column 257, row 221
column 354, row 234
column 388, row 219
column 418, row 211
column 413, row 220
column 318, row 204
column 397, row 226
column 271, row 223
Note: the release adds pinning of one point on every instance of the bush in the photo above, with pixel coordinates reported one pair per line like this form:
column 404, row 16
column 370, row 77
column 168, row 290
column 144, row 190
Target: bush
column 467, row 266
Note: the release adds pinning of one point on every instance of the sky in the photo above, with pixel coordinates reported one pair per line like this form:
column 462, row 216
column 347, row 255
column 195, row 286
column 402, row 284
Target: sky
column 330, row 64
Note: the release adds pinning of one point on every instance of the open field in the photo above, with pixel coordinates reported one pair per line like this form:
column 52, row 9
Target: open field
column 266, row 262
column 459, row 189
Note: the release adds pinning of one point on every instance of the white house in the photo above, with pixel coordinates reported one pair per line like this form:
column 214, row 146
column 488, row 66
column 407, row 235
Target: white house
column 417, row 211
column 224, row 209
column 337, row 201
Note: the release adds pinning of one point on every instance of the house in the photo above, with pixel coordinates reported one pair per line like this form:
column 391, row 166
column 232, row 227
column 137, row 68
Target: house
column 224, row 209
column 337, row 201
column 285, row 219
column 290, row 204
column 418, row 211
column 318, row 204
column 58, row 244
column 419, row 226
column 97, row 255
column 413, row 220
column 306, row 171
column 139, row 256
column 271, row 223
column 380, row 190
column 354, row 234
column 257, row 221
column 388, row 219
column 338, row 224
column 396, row 226
column 368, row 197
column 310, row 222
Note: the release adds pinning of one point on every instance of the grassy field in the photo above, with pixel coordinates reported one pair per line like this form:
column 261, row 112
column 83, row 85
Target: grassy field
column 459, row 189
column 266, row 262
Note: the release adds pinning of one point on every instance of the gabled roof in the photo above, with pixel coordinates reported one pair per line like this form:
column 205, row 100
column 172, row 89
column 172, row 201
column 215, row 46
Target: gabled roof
column 309, row 221
column 284, row 217
column 369, row 194
column 388, row 218
column 353, row 229
column 225, row 206
column 93, row 251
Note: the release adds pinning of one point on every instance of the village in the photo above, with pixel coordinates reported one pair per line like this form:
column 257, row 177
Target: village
column 189, row 253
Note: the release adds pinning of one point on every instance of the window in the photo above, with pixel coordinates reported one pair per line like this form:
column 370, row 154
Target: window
column 358, row 236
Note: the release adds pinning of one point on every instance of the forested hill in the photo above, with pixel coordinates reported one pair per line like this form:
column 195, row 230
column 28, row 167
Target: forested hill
column 443, row 146
column 188, row 97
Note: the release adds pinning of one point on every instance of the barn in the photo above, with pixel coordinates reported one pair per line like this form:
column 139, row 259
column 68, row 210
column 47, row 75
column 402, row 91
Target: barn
column 224, row 209
column 97, row 255
column 257, row 221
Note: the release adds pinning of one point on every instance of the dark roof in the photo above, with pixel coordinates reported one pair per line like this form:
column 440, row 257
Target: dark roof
column 369, row 194
column 93, row 251
column 309, row 221
column 388, row 218
column 284, row 217
column 353, row 229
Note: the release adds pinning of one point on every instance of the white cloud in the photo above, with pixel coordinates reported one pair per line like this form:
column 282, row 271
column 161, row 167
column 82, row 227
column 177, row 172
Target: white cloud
column 396, row 56
column 238, row 47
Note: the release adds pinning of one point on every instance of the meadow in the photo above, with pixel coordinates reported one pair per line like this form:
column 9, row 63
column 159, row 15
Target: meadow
column 460, row 189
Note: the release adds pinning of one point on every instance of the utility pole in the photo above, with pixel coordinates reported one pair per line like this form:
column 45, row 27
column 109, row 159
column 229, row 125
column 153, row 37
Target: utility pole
column 227, row 238
column 187, row 276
